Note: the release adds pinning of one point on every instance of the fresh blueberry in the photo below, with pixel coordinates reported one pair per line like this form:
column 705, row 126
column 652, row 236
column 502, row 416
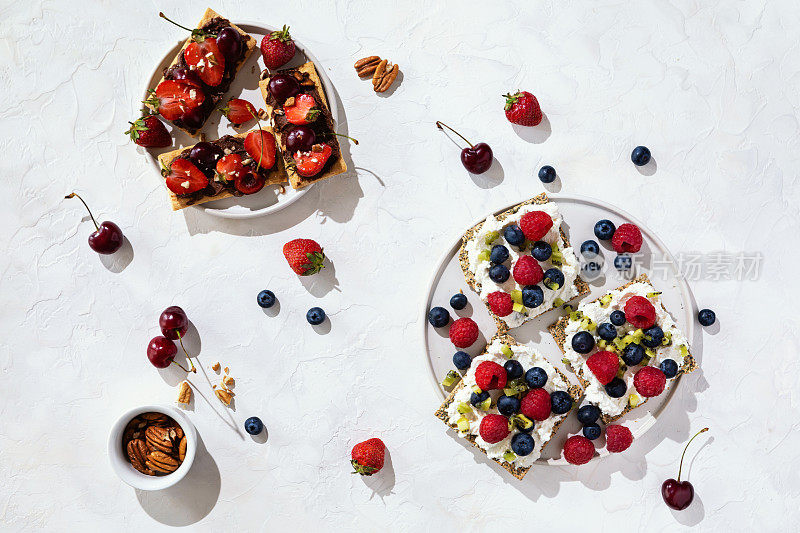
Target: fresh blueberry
column 669, row 368
column 508, row 405
column 633, row 354
column 547, row 174
column 553, row 279
column 640, row 156
column 541, row 251
column 561, row 402
column 623, row 262
column 617, row 318
column 499, row 273
column 458, row 301
column 266, row 299
column 582, row 342
column 315, row 316
column 653, row 336
column 604, row 229
column 536, row 377
column 253, row 425
column 616, row 388
column 514, row 235
column 588, row 414
column 438, row 317
column 462, row 360
column 499, row 254
column 607, row 331
column 706, row 317
column 532, row 296
column 591, row 431
column 590, row 249
column 513, row 369
column 522, row 444
column 476, row 399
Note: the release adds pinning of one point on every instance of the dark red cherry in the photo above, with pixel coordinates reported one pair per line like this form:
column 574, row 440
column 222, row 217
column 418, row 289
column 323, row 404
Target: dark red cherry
column 161, row 351
column 194, row 118
column 679, row 494
column 300, row 139
column 205, row 155
column 107, row 237
column 184, row 74
column 282, row 86
column 173, row 322
column 229, row 42
column 477, row 158
column 249, row 183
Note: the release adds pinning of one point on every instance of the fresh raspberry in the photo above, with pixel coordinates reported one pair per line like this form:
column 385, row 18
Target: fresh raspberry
column 618, row 438
column 527, row 271
column 489, row 375
column 523, row 108
column 640, row 312
column 536, row 405
column 649, row 381
column 604, row 366
column 463, row 332
column 494, row 428
column 578, row 450
column 627, row 239
column 535, row 225
column 501, row 303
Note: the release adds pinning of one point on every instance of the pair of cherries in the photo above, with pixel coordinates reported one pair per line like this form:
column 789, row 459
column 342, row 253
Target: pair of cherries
column 162, row 349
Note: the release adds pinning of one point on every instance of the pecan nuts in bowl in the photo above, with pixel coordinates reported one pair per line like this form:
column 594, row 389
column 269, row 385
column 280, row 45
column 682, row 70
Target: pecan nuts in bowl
column 152, row 447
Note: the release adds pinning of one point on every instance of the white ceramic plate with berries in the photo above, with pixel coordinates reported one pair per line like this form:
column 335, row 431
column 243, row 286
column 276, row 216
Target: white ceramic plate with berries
column 580, row 215
column 270, row 199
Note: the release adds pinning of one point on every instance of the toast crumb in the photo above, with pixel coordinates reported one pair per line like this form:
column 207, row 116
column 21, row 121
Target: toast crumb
column 228, row 382
column 215, row 367
column 227, row 369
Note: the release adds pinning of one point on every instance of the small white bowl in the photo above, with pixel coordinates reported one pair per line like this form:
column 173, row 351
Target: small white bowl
column 123, row 468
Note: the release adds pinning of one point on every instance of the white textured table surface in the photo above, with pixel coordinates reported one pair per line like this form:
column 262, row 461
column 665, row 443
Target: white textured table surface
column 713, row 90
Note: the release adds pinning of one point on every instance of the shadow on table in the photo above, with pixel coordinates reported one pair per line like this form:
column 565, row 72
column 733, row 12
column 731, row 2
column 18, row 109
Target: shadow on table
column 191, row 499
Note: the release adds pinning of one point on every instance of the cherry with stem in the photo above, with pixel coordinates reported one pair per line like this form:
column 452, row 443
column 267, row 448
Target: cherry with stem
column 477, row 158
column 107, row 237
column 679, row 494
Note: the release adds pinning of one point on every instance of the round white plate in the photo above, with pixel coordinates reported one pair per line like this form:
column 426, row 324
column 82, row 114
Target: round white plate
column 579, row 214
column 245, row 85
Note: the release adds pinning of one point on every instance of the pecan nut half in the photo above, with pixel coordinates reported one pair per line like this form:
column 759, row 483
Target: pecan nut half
column 367, row 66
column 388, row 79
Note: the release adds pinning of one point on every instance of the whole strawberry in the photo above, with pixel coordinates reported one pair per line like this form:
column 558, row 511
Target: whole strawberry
column 367, row 457
column 277, row 48
column 238, row 111
column 305, row 256
column 523, row 108
column 149, row 132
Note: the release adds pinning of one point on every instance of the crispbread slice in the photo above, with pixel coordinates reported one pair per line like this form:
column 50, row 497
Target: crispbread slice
column 463, row 259
column 247, row 40
column 558, row 331
column 338, row 166
column 276, row 176
column 441, row 413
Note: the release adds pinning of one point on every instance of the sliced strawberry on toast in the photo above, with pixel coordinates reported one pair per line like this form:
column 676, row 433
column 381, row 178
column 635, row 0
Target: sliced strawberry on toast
column 311, row 163
column 260, row 145
column 204, row 57
column 185, row 178
column 301, row 109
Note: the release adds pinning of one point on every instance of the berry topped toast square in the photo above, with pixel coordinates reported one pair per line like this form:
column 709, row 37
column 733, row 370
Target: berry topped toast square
column 624, row 347
column 509, row 403
column 521, row 262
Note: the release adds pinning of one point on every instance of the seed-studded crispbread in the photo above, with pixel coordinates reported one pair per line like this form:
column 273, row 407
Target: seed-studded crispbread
column 338, row 166
column 275, row 176
column 558, row 331
column 247, row 41
column 518, row 472
column 463, row 259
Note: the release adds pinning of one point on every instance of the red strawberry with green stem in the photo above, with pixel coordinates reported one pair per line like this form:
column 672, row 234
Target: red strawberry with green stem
column 172, row 99
column 367, row 457
column 523, row 108
column 301, row 109
column 305, row 256
column 277, row 48
column 185, row 178
column 149, row 132
column 238, row 111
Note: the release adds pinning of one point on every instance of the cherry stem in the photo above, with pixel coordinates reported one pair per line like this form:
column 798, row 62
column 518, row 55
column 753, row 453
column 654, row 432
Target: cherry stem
column 74, row 195
column 163, row 16
column 439, row 125
column 261, row 134
column 181, row 366
column 180, row 340
column 684, row 450
column 346, row 137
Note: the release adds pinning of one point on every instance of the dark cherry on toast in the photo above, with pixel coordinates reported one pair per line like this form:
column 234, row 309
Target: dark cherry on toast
column 235, row 164
column 202, row 73
column 302, row 122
